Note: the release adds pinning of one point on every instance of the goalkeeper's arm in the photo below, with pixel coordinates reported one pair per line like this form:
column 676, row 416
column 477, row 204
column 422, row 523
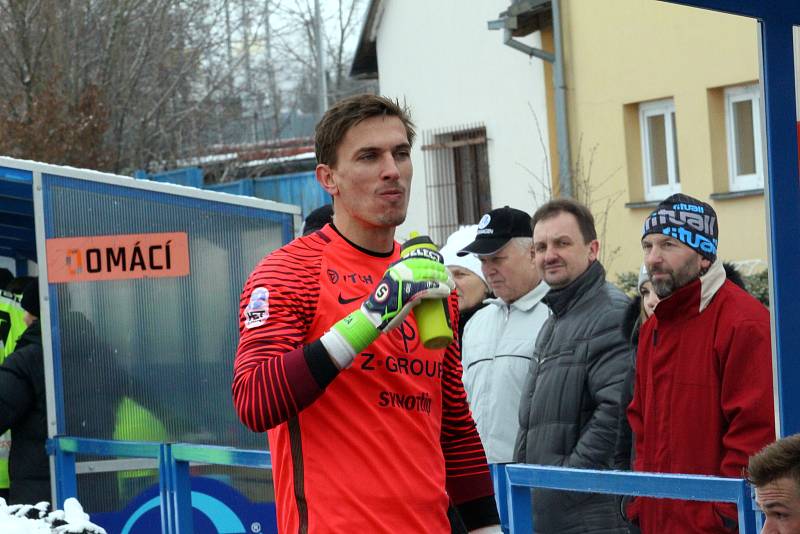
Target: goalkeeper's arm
column 402, row 287
column 269, row 390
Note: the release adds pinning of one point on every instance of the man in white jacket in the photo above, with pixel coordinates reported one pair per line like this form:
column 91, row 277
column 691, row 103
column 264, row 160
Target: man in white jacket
column 498, row 340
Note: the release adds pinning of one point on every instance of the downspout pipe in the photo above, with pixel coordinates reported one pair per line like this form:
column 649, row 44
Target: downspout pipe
column 562, row 127
column 557, row 59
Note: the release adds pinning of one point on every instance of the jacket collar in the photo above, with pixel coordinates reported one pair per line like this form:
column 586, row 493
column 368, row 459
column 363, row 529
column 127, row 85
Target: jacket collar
column 694, row 297
column 562, row 299
column 527, row 301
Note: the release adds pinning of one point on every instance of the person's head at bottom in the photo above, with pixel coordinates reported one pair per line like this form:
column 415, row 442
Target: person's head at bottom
column 775, row 473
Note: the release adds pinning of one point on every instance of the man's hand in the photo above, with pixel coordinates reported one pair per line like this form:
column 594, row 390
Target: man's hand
column 494, row 529
column 404, row 284
column 402, row 287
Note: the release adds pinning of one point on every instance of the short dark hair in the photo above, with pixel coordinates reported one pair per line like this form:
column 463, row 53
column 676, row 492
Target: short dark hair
column 346, row 113
column 777, row 460
column 584, row 217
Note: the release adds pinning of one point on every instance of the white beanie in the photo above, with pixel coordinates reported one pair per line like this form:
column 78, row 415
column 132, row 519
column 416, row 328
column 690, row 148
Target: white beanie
column 643, row 277
column 457, row 241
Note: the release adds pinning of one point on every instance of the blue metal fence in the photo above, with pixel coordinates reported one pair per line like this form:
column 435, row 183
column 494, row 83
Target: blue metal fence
column 513, row 482
column 515, row 501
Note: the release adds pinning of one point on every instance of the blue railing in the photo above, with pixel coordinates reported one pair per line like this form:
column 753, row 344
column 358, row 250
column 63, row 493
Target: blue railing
column 173, row 468
column 513, row 482
column 515, row 500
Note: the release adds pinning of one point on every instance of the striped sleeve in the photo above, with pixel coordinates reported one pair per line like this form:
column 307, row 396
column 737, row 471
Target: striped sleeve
column 275, row 375
column 468, row 481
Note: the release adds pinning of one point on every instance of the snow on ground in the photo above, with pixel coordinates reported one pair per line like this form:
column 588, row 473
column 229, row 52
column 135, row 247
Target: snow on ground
column 35, row 519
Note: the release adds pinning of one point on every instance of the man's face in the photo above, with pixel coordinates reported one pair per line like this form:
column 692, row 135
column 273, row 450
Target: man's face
column 510, row 271
column 561, row 253
column 670, row 264
column 471, row 290
column 780, row 501
column 371, row 180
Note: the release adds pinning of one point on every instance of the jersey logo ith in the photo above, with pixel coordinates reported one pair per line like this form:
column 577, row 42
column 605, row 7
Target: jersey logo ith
column 257, row 311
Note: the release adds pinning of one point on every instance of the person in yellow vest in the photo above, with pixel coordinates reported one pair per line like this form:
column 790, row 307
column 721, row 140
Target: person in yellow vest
column 134, row 422
column 12, row 326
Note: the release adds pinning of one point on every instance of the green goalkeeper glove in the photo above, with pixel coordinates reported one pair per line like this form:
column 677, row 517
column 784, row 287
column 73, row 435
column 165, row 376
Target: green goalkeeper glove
column 404, row 284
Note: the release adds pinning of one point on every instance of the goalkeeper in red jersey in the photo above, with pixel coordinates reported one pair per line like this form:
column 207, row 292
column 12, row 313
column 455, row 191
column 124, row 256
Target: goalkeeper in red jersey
column 369, row 430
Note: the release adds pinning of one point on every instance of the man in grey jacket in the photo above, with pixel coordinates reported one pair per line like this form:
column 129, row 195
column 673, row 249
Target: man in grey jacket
column 571, row 398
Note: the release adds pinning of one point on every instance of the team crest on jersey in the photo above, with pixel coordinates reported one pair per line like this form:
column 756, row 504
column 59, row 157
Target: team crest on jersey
column 257, row 310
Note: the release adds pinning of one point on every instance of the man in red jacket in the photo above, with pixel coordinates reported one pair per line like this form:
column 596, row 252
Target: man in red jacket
column 703, row 395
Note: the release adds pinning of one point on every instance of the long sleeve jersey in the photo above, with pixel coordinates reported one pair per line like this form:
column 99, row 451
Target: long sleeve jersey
column 376, row 447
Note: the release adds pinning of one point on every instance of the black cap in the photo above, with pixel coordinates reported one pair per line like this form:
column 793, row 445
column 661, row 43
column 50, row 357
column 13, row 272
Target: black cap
column 30, row 298
column 496, row 229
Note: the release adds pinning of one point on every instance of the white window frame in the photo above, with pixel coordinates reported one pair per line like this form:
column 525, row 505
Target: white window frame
column 646, row 110
column 744, row 182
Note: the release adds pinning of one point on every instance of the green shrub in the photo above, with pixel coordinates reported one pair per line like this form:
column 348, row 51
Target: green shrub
column 627, row 282
column 758, row 286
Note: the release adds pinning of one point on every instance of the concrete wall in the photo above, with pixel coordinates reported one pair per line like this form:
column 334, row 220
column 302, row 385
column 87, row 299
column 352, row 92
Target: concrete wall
column 452, row 71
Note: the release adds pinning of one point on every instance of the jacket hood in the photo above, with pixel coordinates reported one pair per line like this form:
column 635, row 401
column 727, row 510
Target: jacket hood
column 732, row 274
column 31, row 335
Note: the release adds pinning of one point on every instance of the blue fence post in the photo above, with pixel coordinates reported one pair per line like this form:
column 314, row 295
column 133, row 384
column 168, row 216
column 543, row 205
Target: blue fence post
column 182, row 496
column 520, row 513
column 747, row 513
column 757, row 512
column 498, row 472
column 67, row 479
column 165, row 488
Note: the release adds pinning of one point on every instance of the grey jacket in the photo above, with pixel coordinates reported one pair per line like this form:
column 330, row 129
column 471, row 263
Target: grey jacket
column 571, row 400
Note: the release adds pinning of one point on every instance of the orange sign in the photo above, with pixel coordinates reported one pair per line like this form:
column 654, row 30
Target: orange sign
column 117, row 257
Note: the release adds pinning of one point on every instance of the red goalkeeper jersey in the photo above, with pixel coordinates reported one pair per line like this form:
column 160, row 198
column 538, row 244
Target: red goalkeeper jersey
column 376, row 447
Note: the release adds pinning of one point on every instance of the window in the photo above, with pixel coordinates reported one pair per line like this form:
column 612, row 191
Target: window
column 743, row 127
column 659, row 149
column 457, row 179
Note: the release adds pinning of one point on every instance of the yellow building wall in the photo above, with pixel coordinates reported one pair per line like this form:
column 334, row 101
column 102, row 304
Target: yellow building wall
column 619, row 53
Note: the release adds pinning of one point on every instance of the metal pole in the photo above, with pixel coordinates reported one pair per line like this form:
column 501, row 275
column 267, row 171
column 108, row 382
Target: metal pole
column 782, row 189
column 562, row 132
column 322, row 82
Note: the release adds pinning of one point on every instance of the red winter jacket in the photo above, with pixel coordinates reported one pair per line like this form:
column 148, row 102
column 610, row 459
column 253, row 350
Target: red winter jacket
column 703, row 400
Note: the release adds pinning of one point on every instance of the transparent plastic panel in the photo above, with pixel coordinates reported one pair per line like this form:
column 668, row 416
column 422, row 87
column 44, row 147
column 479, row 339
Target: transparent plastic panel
column 151, row 359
